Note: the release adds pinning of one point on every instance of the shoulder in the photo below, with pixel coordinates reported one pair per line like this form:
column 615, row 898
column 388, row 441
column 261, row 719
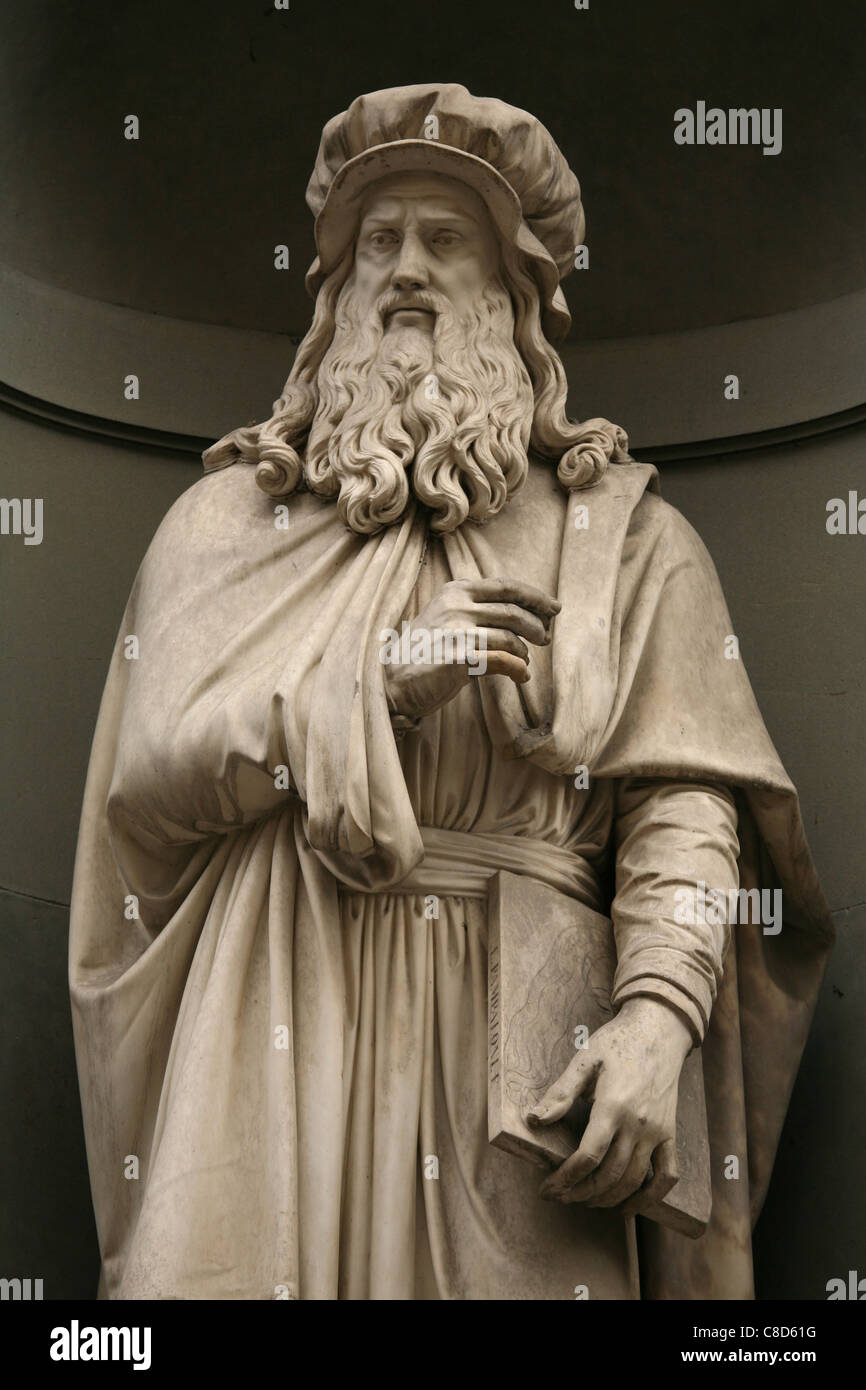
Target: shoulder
column 625, row 500
column 226, row 508
column 662, row 521
column 224, row 528
column 662, row 549
column 219, row 504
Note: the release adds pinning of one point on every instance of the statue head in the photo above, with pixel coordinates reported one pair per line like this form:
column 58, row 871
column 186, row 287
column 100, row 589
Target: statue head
column 444, row 224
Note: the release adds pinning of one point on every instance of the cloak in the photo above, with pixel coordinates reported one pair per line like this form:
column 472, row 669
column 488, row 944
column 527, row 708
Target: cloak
column 244, row 767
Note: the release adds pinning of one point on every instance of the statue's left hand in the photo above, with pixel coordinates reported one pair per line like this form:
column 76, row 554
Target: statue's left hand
column 630, row 1072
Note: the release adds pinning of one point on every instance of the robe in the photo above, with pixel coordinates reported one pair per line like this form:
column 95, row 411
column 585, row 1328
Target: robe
column 281, row 1052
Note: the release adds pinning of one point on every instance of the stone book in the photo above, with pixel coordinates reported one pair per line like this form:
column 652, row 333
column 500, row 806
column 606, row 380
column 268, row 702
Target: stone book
column 551, row 963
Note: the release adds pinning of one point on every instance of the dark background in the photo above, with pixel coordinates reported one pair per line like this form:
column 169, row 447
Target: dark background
column 180, row 227
column 232, row 98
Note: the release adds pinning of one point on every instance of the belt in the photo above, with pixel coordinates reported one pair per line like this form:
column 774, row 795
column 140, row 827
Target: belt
column 460, row 864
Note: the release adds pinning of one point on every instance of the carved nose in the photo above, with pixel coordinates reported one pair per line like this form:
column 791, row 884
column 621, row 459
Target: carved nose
column 410, row 273
column 409, row 278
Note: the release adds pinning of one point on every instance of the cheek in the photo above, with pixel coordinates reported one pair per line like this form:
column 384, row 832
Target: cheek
column 473, row 272
column 471, row 277
column 370, row 274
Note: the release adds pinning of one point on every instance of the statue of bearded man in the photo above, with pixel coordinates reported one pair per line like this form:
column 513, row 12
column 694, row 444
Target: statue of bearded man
column 280, row 914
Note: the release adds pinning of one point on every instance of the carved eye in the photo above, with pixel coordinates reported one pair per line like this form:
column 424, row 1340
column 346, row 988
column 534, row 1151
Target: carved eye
column 383, row 239
column 445, row 238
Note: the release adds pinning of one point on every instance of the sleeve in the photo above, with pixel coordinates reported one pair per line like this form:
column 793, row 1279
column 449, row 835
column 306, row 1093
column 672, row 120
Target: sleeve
column 256, row 686
column 676, row 875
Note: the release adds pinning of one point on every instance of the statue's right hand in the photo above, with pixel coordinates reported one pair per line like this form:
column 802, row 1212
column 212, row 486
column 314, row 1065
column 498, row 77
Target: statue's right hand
column 491, row 619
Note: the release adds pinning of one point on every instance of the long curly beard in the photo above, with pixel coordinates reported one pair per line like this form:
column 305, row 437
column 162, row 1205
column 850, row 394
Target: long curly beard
column 446, row 417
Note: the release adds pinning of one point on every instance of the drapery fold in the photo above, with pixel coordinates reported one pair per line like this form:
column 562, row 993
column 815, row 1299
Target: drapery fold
column 244, row 773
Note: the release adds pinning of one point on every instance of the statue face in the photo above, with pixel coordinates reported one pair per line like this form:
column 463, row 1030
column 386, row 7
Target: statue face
column 422, row 389
column 424, row 232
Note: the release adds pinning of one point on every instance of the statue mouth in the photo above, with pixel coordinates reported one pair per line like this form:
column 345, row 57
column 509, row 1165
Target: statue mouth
column 410, row 315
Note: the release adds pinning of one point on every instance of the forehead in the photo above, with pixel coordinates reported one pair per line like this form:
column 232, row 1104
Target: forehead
column 425, row 195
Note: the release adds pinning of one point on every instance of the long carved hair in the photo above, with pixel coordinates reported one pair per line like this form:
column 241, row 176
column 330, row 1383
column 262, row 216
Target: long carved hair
column 582, row 451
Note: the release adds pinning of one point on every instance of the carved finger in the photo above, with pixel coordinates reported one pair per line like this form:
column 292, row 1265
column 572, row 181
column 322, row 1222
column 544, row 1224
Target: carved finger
column 511, row 616
column 597, row 1139
column 514, row 591
column 493, row 639
column 665, row 1176
column 559, row 1098
column 504, row 664
column 591, row 1183
column 629, row 1182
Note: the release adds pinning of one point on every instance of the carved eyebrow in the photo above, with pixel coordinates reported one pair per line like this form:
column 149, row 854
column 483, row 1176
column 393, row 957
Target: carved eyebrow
column 446, row 216
column 441, row 215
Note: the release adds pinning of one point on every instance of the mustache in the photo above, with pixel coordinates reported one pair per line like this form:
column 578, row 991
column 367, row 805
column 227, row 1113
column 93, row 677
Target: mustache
column 392, row 300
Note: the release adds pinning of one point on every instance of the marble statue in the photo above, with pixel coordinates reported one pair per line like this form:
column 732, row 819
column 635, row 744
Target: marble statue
column 302, row 785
